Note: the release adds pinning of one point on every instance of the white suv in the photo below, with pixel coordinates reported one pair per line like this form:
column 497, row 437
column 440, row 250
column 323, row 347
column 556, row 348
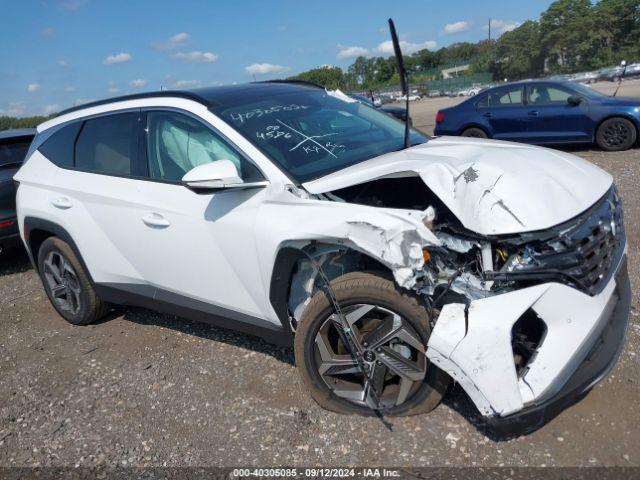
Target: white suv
column 295, row 214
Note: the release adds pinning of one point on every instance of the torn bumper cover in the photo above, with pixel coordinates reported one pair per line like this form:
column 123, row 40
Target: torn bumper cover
column 584, row 337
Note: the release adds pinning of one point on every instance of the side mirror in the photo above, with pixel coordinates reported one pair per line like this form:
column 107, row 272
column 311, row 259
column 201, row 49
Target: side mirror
column 574, row 100
column 218, row 175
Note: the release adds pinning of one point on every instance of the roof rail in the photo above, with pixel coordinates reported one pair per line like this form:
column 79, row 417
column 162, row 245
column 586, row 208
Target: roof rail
column 137, row 96
column 293, row 80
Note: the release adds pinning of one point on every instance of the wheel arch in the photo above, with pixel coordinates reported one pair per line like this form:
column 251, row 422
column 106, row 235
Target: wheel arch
column 626, row 116
column 290, row 258
column 37, row 230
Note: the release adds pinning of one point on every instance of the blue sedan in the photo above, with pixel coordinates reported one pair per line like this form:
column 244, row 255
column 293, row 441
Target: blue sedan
column 545, row 112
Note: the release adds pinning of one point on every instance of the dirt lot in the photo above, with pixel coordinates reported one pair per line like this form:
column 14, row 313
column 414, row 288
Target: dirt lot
column 149, row 389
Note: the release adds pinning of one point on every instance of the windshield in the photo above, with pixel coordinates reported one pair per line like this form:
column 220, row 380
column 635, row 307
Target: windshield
column 587, row 91
column 311, row 133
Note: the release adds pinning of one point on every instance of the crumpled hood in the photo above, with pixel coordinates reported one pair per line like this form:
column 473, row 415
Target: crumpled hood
column 492, row 187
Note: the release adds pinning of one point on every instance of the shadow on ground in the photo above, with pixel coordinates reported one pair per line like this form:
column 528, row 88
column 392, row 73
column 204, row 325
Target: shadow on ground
column 143, row 316
column 14, row 260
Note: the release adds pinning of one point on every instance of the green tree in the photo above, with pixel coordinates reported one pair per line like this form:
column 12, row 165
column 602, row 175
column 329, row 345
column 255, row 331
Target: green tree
column 328, row 77
column 516, row 56
column 569, row 36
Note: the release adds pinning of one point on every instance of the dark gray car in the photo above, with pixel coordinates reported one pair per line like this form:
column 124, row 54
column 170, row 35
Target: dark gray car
column 14, row 145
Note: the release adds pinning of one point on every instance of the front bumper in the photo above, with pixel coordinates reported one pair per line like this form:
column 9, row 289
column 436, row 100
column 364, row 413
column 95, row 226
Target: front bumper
column 585, row 335
column 597, row 364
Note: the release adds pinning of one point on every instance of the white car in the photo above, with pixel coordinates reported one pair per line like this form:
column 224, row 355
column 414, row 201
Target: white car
column 295, row 214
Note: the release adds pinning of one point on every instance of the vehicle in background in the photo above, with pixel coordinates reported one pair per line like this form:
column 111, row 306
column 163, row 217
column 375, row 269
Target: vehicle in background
column 469, row 92
column 306, row 218
column 14, row 145
column 434, row 93
column 613, row 74
column 584, row 77
column 399, row 112
column 412, row 97
column 545, row 112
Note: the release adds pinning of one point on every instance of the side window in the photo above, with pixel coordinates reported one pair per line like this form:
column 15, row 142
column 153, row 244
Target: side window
column 177, row 143
column 108, row 144
column 483, row 102
column 543, row 95
column 58, row 148
column 506, row 97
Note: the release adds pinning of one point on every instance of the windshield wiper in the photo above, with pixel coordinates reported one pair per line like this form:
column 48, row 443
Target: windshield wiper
column 404, row 79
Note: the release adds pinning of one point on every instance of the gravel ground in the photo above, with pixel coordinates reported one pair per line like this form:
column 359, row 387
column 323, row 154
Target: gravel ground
column 143, row 389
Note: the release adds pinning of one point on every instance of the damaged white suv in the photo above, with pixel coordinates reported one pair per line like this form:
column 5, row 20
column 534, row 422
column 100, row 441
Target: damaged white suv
column 295, row 214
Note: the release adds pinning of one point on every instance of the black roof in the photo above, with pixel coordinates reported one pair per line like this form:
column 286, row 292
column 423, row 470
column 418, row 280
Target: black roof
column 213, row 96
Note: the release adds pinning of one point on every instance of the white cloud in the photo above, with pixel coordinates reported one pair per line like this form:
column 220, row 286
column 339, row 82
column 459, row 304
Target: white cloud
column 282, row 28
column 137, row 83
column 63, row 63
column 386, row 48
column 351, row 52
column 456, row 27
column 117, row 58
column 14, row 109
column 49, row 109
column 265, row 69
column 113, row 89
column 195, row 57
column 186, row 83
column 177, row 40
column 502, row 26
column 49, row 32
column 70, row 89
column 33, row 87
column 82, row 101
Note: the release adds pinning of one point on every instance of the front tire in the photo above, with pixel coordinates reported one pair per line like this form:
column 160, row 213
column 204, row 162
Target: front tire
column 67, row 284
column 393, row 328
column 616, row 134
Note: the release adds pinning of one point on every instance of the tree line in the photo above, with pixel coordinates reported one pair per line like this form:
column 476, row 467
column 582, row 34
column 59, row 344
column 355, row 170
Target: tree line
column 570, row 36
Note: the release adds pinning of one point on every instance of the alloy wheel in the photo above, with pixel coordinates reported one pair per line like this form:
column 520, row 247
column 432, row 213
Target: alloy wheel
column 616, row 134
column 392, row 354
column 62, row 282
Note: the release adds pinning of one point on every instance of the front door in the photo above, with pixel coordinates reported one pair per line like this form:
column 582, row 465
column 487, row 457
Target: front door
column 552, row 119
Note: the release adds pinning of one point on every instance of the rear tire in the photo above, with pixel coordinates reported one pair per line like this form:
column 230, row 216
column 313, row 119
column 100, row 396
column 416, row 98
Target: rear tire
column 474, row 132
column 67, row 284
column 353, row 291
column 616, row 134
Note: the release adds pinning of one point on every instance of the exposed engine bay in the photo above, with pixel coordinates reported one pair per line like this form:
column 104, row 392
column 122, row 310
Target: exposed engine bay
column 577, row 253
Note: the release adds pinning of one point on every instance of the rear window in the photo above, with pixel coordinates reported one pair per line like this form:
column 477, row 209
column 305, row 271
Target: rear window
column 12, row 152
column 108, row 144
column 59, row 147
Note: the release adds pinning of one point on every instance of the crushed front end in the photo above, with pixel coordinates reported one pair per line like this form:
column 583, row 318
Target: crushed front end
column 527, row 322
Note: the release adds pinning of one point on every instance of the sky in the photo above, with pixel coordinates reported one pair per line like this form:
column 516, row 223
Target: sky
column 59, row 53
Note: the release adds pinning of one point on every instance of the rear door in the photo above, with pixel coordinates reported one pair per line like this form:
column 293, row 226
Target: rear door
column 504, row 111
column 552, row 119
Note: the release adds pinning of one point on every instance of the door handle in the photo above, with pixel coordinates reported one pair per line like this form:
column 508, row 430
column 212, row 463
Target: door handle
column 155, row 220
column 534, row 113
column 488, row 115
column 62, row 203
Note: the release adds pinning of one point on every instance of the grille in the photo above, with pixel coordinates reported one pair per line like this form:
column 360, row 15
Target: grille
column 587, row 248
